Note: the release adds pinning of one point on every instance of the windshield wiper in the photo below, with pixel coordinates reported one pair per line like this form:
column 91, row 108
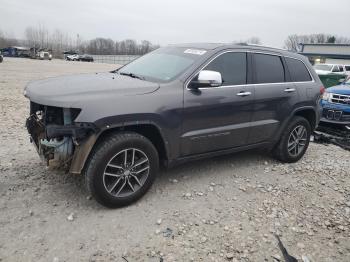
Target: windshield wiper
column 132, row 75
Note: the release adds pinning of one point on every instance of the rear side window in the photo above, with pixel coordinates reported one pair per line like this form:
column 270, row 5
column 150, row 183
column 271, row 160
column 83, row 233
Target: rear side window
column 268, row 69
column 347, row 68
column 298, row 70
column 341, row 69
column 232, row 66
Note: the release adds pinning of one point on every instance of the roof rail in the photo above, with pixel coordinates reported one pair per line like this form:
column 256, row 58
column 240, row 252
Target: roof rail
column 257, row 45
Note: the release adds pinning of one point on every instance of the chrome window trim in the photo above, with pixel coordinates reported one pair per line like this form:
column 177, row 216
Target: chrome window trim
column 248, row 85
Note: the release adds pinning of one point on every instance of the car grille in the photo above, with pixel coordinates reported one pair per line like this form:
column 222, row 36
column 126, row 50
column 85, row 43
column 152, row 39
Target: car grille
column 336, row 115
column 340, row 99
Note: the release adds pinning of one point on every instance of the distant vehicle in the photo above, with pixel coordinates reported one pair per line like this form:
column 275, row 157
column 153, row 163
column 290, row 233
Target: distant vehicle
column 325, row 69
column 175, row 104
column 336, row 105
column 74, row 57
column 86, row 58
column 43, row 55
column 347, row 69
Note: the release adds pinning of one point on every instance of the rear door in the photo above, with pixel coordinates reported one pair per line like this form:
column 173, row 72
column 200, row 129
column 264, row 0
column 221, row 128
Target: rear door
column 274, row 96
column 218, row 118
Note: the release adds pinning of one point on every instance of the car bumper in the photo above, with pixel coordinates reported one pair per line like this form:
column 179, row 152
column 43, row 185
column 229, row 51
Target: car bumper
column 333, row 113
column 335, row 122
column 62, row 146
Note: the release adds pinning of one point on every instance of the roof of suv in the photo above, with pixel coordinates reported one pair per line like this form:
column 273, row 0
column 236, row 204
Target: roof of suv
column 212, row 46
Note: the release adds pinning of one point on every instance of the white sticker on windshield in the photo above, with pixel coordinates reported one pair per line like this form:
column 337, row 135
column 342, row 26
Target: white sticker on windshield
column 195, row 51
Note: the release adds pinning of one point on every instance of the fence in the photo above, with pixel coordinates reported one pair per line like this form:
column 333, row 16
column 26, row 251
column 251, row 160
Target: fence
column 114, row 59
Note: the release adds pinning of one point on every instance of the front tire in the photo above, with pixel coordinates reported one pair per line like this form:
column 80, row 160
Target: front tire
column 294, row 141
column 121, row 169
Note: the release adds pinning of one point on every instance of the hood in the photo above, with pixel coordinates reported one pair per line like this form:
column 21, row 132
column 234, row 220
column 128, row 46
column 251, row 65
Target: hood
column 73, row 90
column 340, row 89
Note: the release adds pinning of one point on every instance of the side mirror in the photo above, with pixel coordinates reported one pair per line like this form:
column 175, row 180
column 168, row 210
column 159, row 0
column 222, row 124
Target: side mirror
column 207, row 78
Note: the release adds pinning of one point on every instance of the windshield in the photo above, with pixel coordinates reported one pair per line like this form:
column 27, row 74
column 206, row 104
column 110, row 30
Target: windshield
column 323, row 67
column 161, row 65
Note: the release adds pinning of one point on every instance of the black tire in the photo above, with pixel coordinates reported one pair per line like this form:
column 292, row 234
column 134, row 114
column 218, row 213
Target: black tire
column 105, row 151
column 281, row 152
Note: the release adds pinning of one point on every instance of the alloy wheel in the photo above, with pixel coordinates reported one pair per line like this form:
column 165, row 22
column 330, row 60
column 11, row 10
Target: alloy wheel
column 126, row 172
column 297, row 140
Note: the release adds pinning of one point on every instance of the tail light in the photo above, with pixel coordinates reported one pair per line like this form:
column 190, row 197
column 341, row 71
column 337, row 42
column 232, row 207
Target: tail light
column 322, row 90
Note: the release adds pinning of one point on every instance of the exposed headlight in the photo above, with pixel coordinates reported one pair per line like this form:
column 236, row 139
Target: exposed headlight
column 327, row 96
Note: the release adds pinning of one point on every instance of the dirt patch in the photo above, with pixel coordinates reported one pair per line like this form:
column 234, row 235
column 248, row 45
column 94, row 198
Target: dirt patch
column 226, row 208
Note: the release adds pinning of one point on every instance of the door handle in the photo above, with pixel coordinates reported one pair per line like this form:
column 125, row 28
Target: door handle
column 244, row 93
column 289, row 90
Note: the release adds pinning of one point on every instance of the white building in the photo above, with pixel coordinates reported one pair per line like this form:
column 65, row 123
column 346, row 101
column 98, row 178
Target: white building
column 327, row 53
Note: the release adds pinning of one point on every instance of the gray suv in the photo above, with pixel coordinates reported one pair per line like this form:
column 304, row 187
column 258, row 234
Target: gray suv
column 175, row 104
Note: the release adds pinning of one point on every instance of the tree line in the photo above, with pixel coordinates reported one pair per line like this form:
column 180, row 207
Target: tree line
column 293, row 42
column 40, row 37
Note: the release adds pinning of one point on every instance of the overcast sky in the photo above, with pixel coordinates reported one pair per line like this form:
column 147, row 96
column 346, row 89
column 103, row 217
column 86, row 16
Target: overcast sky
column 178, row 21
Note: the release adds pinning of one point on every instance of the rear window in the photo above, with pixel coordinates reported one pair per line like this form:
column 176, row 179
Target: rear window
column 298, row 70
column 268, row 69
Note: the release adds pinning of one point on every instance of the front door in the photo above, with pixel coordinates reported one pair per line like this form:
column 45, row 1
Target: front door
column 218, row 118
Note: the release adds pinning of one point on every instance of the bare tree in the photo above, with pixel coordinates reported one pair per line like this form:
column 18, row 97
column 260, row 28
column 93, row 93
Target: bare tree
column 253, row 40
column 7, row 40
column 58, row 41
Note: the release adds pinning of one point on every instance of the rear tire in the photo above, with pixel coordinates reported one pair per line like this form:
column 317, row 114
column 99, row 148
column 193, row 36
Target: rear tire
column 294, row 141
column 121, row 169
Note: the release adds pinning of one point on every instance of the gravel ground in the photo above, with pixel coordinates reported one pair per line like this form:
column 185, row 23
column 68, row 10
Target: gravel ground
column 223, row 209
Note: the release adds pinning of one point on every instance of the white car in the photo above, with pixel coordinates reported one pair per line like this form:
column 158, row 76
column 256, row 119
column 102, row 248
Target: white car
column 72, row 57
column 325, row 69
column 43, row 55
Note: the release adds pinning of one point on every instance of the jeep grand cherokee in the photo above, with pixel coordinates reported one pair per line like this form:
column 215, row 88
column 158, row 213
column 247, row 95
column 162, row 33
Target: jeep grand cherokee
column 175, row 104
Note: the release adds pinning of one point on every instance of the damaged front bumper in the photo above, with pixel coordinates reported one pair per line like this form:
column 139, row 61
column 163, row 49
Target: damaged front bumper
column 58, row 140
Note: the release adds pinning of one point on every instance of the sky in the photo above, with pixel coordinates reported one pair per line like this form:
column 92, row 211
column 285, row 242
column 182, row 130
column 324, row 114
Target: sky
column 179, row 21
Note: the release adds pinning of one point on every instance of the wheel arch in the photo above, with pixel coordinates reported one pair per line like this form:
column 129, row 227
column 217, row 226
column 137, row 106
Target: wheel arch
column 149, row 130
column 309, row 114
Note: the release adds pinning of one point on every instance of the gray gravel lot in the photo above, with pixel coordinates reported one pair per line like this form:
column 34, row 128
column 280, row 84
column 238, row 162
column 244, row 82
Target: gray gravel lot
column 222, row 209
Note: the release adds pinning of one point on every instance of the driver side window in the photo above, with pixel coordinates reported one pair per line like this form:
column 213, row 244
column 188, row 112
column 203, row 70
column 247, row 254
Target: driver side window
column 232, row 66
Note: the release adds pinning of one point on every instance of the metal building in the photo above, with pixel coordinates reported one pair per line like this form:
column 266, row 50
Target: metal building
column 327, row 53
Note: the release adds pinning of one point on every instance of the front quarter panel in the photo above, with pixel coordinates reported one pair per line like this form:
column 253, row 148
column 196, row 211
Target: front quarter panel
column 162, row 108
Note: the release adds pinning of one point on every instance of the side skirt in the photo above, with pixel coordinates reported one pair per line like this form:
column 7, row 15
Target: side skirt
column 186, row 159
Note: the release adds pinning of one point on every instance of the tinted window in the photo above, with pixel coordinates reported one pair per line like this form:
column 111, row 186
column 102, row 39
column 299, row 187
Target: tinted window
column 298, row 70
column 341, row 69
column 347, row 68
column 232, row 66
column 268, row 69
